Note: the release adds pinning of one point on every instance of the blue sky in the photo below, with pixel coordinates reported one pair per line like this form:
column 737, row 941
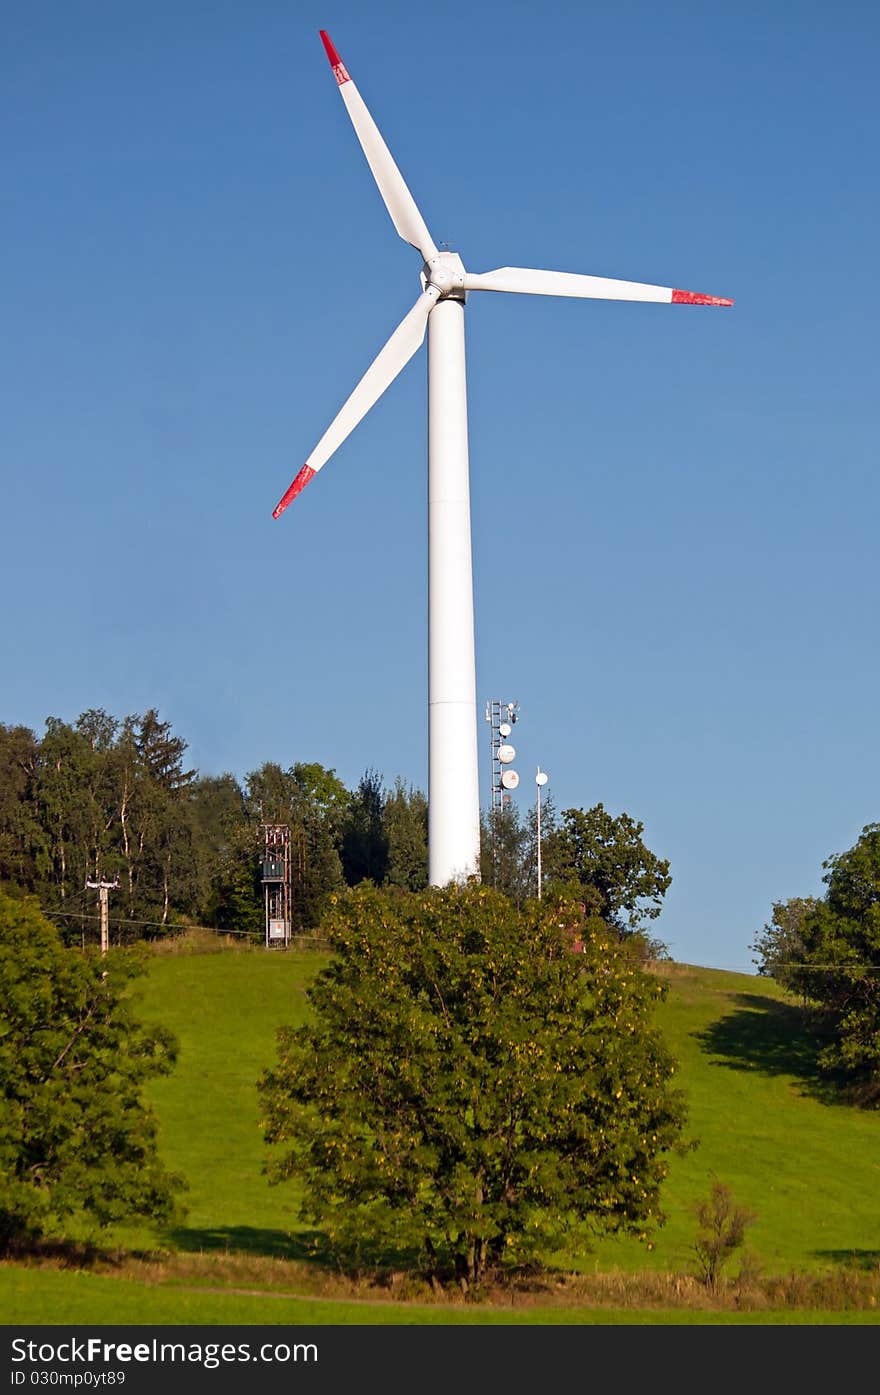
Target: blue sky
column 674, row 509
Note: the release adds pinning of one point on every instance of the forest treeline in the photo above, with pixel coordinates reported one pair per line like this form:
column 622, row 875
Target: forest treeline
column 113, row 799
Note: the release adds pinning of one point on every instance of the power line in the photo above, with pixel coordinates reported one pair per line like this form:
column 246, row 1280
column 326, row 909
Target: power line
column 221, row 930
column 152, row 924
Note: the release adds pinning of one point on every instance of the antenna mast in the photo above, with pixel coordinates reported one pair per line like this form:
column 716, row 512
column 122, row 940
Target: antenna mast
column 501, row 717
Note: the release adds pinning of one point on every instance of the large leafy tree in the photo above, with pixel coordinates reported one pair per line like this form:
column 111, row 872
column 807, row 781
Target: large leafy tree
column 620, row 879
column 780, row 946
column 828, row 950
column 472, row 1090
column 75, row 1134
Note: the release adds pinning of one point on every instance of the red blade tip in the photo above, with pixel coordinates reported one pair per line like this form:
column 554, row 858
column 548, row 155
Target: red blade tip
column 696, row 298
column 336, row 63
column 298, row 485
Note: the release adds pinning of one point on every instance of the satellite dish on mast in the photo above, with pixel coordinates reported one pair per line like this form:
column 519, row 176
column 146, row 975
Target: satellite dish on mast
column 509, row 779
column 506, row 754
column 541, row 778
column 504, row 729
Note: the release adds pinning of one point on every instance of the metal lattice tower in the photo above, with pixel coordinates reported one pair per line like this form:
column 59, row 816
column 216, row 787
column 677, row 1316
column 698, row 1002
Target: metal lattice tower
column 501, row 715
column 276, row 883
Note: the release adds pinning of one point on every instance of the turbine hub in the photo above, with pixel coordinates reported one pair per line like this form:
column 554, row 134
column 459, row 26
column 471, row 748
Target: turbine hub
column 446, row 273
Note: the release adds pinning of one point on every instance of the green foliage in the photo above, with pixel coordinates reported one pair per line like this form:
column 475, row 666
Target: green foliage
column 161, row 752
column 108, row 799
column 721, row 1231
column 620, row 878
column 472, row 1090
column 780, row 946
column 365, row 849
column 405, row 818
column 21, row 837
column 509, row 850
column 237, row 893
column 228, row 894
column 75, row 1135
column 311, row 800
column 828, row 950
column 321, row 789
column 104, row 799
column 504, row 855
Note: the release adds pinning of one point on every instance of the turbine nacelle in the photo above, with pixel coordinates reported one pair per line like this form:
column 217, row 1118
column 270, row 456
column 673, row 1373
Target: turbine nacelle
column 446, row 274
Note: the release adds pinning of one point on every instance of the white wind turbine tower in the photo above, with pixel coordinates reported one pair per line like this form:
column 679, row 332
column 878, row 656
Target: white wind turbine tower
column 453, row 787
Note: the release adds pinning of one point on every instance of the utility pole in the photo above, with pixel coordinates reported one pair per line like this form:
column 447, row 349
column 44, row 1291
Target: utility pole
column 103, row 889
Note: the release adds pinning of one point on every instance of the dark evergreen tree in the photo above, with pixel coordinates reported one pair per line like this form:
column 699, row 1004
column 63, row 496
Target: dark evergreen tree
column 405, row 819
column 365, row 851
column 162, row 752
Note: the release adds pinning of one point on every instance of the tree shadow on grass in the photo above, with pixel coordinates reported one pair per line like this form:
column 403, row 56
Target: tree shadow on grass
column 249, row 1240
column 852, row 1259
column 772, row 1038
column 307, row 1246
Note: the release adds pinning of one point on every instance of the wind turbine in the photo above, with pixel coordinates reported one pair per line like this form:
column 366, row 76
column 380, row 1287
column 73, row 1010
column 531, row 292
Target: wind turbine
column 453, row 786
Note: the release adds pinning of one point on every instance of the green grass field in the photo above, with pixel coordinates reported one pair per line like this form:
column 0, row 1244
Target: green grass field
column 807, row 1167
column 76, row 1298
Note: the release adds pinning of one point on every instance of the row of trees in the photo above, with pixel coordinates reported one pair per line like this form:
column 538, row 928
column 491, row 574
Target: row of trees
column 104, row 799
column 827, row 950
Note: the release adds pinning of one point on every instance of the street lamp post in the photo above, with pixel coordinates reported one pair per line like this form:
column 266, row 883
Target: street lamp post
column 540, row 780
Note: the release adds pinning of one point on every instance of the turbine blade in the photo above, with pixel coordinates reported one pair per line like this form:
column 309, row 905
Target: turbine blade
column 527, row 281
column 398, row 200
column 396, row 354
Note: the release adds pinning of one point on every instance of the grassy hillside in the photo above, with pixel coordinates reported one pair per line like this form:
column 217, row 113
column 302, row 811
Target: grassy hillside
column 224, row 1009
column 808, row 1167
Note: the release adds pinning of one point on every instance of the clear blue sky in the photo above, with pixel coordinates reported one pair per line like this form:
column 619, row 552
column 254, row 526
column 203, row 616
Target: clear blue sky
column 675, row 510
